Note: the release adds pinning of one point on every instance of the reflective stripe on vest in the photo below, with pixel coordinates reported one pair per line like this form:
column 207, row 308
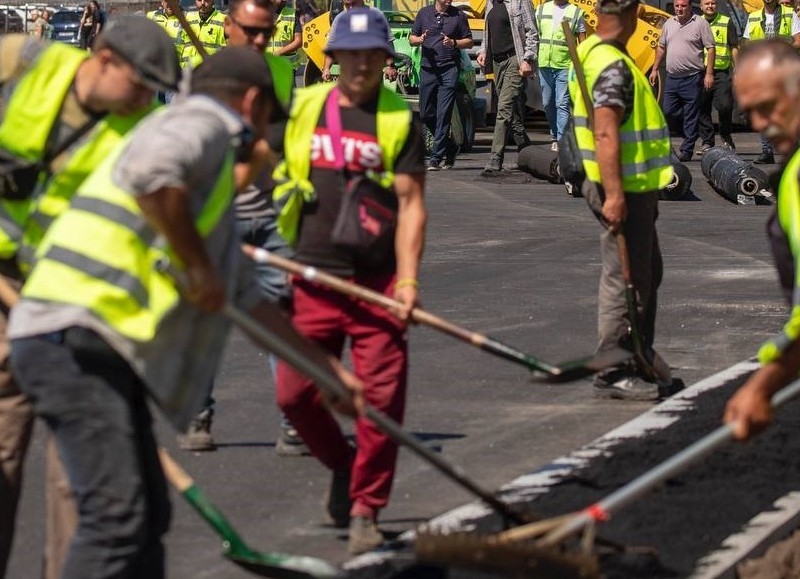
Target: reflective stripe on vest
column 788, row 208
column 722, row 50
column 211, row 33
column 294, row 188
column 644, row 136
column 32, row 111
column 553, row 51
column 756, row 20
column 100, row 255
column 284, row 34
column 282, row 77
column 86, row 155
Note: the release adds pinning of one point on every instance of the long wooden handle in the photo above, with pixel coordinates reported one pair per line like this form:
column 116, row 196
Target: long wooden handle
column 572, row 45
column 178, row 477
column 187, row 28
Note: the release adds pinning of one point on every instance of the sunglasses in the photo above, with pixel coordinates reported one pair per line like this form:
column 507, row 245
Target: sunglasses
column 253, row 31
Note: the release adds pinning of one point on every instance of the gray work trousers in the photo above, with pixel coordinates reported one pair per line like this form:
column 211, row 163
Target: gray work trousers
column 647, row 270
column 508, row 83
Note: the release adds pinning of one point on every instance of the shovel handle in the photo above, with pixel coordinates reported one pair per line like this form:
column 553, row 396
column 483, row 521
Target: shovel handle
column 177, row 477
column 634, row 490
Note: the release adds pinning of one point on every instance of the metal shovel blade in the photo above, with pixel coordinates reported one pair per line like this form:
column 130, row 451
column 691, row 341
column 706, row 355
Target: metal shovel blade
column 583, row 367
column 281, row 566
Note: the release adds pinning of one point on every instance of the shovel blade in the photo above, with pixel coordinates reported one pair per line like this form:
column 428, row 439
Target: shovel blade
column 280, row 566
column 571, row 370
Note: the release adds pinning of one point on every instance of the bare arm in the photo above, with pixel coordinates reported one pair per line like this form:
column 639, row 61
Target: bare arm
column 296, row 43
column 749, row 409
column 167, row 210
column 708, row 81
column 607, row 151
column 410, row 236
column 656, row 64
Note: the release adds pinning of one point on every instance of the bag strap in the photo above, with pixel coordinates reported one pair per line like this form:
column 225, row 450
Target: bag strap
column 71, row 140
column 333, row 120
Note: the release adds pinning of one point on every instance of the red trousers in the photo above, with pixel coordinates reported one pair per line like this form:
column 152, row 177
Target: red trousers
column 378, row 344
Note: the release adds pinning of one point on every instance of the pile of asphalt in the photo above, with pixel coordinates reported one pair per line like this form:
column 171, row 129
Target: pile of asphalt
column 680, row 522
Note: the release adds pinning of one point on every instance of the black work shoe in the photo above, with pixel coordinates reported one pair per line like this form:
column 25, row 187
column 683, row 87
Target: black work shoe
column 685, row 157
column 765, row 159
column 364, row 535
column 290, row 444
column 197, row 437
column 434, row 166
column 337, row 501
column 629, row 387
column 728, row 144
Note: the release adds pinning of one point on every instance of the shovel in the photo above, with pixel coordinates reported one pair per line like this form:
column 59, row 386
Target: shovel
column 542, row 371
column 277, row 565
column 485, row 551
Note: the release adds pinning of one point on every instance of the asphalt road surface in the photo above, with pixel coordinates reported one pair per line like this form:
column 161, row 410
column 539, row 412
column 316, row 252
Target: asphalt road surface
column 512, row 257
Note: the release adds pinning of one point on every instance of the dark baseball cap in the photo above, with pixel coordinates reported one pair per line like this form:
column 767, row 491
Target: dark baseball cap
column 615, row 6
column 234, row 66
column 146, row 47
column 361, row 28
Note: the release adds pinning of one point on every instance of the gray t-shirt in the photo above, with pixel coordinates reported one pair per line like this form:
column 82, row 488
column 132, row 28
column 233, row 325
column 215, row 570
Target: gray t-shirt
column 183, row 146
column 684, row 44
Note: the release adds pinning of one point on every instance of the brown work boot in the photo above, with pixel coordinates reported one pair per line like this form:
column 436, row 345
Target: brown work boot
column 197, row 437
column 364, row 535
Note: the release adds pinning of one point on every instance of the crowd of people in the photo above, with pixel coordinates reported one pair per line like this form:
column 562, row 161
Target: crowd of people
column 121, row 224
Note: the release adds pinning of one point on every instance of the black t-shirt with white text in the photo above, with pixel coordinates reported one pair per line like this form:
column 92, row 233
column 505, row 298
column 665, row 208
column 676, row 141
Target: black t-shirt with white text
column 361, row 153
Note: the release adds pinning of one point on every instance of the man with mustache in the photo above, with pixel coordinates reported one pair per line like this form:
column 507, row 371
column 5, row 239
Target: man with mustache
column 767, row 86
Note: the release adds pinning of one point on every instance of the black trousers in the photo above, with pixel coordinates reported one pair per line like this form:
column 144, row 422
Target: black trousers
column 721, row 98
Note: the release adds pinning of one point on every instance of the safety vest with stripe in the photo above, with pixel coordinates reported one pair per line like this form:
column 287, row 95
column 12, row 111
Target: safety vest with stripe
column 171, row 25
column 644, row 136
column 292, row 175
column 282, row 77
column 553, row 51
column 722, row 50
column 756, row 23
column 102, row 255
column 32, row 111
column 788, row 214
column 210, row 31
column 283, row 35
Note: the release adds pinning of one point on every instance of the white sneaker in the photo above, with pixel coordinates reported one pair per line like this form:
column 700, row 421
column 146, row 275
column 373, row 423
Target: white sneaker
column 554, row 146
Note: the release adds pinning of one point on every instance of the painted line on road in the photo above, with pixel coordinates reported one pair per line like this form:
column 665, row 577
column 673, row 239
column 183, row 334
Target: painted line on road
column 526, row 487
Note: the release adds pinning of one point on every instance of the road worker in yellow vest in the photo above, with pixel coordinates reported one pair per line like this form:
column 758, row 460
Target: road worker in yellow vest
column 554, row 62
column 720, row 96
column 626, row 157
column 772, row 21
column 208, row 24
column 61, row 98
column 767, row 85
column 167, row 20
column 287, row 38
column 116, row 328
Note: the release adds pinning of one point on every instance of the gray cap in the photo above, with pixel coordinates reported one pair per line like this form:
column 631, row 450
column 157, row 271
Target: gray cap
column 615, row 6
column 146, row 47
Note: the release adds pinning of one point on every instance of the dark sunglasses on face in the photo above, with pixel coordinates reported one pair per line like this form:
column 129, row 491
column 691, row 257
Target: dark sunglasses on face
column 254, row 31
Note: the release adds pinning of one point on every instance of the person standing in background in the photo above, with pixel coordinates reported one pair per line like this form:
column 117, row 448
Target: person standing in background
column 442, row 31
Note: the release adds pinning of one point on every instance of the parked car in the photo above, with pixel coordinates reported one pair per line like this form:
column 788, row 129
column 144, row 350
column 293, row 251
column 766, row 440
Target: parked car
column 66, row 25
column 11, row 22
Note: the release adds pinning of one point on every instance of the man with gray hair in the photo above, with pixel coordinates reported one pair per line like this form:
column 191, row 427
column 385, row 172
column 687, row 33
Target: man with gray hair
column 683, row 38
column 767, row 85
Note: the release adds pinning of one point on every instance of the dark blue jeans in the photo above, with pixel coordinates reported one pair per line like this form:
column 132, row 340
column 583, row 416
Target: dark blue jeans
column 681, row 103
column 437, row 96
column 97, row 410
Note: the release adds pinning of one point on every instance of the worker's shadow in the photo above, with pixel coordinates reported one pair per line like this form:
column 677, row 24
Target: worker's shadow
column 430, row 439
